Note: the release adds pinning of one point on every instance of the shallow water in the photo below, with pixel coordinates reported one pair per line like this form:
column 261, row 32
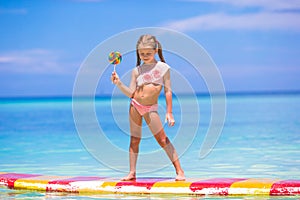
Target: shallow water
column 260, row 138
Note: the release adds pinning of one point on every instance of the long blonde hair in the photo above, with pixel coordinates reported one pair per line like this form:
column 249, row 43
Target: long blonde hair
column 149, row 41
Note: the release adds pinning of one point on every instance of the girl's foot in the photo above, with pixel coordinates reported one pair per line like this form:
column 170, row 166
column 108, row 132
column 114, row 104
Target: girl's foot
column 180, row 176
column 129, row 177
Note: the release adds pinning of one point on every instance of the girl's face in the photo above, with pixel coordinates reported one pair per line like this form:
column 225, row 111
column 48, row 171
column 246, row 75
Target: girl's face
column 147, row 55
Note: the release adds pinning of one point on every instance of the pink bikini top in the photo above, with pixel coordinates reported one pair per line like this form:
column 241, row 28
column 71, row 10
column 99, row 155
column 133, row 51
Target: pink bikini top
column 152, row 74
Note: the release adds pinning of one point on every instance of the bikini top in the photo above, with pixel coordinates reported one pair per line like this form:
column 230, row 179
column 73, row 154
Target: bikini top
column 150, row 74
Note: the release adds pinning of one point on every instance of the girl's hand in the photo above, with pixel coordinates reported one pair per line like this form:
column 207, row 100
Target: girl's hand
column 114, row 78
column 170, row 119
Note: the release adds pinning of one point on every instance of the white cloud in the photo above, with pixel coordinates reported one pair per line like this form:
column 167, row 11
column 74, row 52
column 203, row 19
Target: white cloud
column 252, row 21
column 273, row 15
column 266, row 4
column 33, row 61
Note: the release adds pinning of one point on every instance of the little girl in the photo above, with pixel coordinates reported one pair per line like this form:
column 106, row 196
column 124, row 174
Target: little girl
column 147, row 80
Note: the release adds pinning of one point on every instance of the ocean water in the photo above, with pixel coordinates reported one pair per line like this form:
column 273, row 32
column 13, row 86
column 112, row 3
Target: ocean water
column 260, row 139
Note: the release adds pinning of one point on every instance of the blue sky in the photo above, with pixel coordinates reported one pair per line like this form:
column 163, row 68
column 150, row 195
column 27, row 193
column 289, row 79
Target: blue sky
column 254, row 43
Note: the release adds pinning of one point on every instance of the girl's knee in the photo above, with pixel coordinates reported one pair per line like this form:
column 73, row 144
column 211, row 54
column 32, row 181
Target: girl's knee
column 135, row 141
column 163, row 141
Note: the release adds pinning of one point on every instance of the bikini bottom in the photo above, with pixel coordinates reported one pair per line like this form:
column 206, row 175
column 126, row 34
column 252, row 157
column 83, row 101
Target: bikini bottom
column 143, row 109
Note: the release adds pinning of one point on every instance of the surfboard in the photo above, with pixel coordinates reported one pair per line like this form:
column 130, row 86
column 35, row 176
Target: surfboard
column 152, row 185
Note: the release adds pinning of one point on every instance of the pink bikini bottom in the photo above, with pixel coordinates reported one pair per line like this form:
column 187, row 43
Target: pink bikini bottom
column 143, row 109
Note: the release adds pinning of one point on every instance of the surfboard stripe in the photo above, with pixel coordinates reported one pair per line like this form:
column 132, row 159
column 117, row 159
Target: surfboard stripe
column 172, row 186
column 252, row 186
column 196, row 186
column 35, row 183
column 142, row 185
column 286, row 187
column 65, row 185
column 217, row 186
column 10, row 178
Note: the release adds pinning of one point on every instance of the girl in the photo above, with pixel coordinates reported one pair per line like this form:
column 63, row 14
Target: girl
column 147, row 80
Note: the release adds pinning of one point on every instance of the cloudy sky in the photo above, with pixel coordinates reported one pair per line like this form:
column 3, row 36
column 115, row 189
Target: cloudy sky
column 254, row 43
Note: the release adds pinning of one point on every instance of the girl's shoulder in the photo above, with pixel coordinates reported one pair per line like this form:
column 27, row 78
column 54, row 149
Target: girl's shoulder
column 163, row 65
column 135, row 71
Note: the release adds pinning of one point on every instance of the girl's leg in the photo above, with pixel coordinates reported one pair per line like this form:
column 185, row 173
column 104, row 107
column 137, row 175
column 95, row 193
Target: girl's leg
column 135, row 121
column 153, row 121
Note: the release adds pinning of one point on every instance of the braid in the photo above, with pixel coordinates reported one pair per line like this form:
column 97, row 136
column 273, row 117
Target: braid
column 138, row 60
column 159, row 51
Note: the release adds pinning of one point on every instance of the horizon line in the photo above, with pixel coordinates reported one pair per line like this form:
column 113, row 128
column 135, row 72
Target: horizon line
column 230, row 93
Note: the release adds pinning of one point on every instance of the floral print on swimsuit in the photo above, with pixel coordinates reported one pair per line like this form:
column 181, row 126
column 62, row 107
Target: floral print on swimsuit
column 154, row 75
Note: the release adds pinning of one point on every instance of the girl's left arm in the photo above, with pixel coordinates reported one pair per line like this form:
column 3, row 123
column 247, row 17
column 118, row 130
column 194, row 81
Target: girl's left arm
column 168, row 94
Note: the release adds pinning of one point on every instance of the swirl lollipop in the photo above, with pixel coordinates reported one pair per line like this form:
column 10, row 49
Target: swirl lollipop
column 115, row 58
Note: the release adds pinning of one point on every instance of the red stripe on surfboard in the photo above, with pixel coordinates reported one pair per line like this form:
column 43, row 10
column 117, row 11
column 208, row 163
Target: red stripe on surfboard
column 9, row 179
column 218, row 186
column 141, row 182
column 286, row 187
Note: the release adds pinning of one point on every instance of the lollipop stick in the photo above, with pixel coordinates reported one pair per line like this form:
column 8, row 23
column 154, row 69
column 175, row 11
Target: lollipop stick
column 114, row 68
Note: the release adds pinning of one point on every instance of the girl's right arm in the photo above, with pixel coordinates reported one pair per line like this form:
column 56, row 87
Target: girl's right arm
column 128, row 91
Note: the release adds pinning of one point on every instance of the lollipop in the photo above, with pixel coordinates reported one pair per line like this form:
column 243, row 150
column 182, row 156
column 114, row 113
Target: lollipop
column 115, row 58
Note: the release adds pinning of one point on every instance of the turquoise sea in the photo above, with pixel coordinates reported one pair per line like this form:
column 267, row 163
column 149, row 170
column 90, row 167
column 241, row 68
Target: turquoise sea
column 260, row 139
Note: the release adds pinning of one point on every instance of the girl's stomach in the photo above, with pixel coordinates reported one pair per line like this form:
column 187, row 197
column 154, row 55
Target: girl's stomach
column 148, row 94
